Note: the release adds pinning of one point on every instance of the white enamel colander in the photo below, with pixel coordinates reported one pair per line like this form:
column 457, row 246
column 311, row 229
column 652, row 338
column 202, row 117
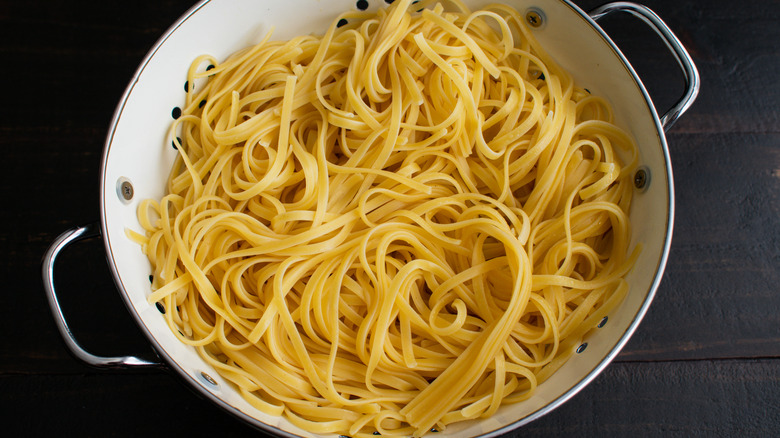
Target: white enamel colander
column 137, row 161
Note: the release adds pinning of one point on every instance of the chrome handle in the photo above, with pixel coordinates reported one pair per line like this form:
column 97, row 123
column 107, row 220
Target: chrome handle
column 65, row 239
column 691, row 74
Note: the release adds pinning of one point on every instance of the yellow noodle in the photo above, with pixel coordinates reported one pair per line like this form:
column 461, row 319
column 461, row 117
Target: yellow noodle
column 405, row 223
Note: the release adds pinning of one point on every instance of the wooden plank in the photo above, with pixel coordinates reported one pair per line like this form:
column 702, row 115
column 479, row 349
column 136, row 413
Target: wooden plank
column 719, row 295
column 78, row 57
column 688, row 398
column 722, row 398
column 734, row 47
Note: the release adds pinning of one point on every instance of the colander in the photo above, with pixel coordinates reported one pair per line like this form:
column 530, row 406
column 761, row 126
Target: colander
column 137, row 161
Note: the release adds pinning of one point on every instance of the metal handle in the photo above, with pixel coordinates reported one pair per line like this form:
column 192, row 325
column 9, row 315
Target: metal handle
column 689, row 70
column 65, row 239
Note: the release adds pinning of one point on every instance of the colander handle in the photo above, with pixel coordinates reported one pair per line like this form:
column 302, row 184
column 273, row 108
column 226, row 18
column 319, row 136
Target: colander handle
column 690, row 73
column 71, row 236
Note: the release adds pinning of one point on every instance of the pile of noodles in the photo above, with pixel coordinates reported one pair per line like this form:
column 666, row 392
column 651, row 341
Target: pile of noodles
column 404, row 223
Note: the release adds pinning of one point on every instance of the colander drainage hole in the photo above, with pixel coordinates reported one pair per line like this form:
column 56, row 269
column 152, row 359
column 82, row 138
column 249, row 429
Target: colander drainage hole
column 208, row 379
column 642, row 178
column 603, row 322
column 581, row 348
column 362, row 5
column 160, row 307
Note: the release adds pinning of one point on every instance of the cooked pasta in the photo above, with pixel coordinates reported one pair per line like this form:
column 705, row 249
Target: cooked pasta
column 404, row 223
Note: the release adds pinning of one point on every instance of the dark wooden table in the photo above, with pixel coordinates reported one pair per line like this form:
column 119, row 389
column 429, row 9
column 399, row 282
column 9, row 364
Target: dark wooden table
column 705, row 361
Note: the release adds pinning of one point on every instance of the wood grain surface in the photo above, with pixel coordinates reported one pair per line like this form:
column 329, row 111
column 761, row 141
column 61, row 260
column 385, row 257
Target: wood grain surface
column 705, row 361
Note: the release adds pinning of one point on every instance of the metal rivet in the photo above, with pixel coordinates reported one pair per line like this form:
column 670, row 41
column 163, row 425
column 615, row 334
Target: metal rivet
column 124, row 189
column 208, row 378
column 534, row 17
column 127, row 190
column 603, row 322
column 642, row 178
column 581, row 348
